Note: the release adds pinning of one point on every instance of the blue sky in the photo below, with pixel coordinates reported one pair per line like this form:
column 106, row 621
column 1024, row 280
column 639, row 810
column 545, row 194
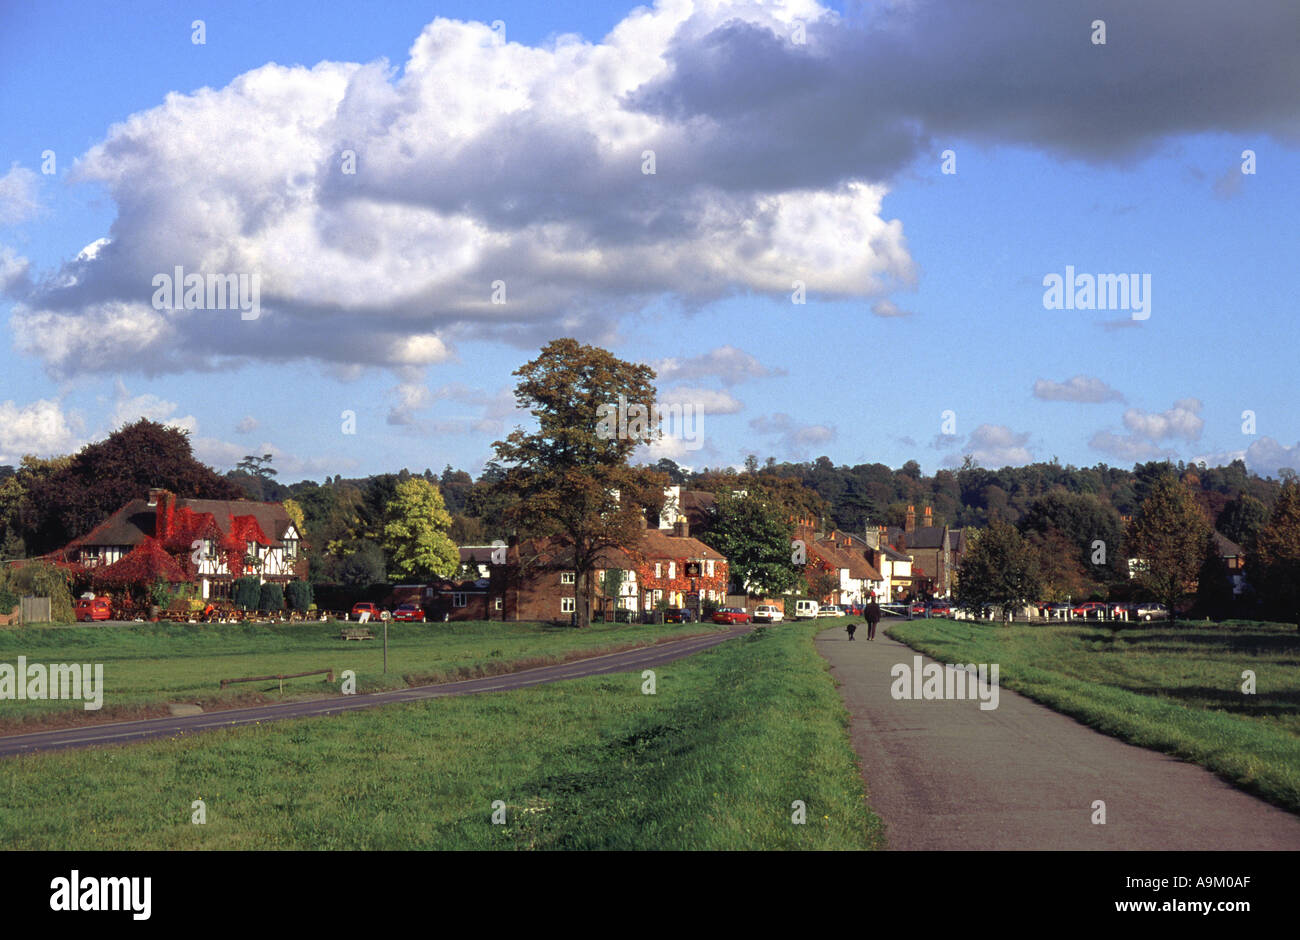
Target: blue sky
column 818, row 161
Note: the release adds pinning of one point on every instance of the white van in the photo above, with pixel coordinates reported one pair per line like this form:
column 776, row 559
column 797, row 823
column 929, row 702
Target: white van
column 806, row 610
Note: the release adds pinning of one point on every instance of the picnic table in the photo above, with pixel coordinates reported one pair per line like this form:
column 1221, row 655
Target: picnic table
column 356, row 633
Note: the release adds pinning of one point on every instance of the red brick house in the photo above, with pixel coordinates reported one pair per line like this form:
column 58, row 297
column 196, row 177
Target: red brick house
column 538, row 579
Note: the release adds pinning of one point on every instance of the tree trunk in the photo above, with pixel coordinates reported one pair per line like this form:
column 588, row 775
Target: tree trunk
column 582, row 598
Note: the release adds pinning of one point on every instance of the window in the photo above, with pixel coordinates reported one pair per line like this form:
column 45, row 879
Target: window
column 566, row 605
column 291, row 548
column 496, row 604
column 672, row 569
column 457, row 599
column 659, row 570
column 708, row 566
column 566, row 577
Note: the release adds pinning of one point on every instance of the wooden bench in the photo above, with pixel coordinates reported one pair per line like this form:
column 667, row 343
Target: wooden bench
column 356, row 633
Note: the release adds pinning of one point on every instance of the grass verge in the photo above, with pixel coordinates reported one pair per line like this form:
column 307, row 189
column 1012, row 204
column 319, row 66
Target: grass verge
column 148, row 665
column 1172, row 688
column 713, row 760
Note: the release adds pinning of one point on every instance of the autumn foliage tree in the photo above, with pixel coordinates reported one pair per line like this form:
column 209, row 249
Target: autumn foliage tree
column 1168, row 537
column 1274, row 564
column 570, row 478
column 999, row 570
column 415, row 532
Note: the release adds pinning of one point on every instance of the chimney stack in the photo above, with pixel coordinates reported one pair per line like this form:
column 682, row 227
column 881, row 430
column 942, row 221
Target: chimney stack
column 928, row 519
column 910, row 525
column 681, row 528
column 871, row 537
column 164, row 504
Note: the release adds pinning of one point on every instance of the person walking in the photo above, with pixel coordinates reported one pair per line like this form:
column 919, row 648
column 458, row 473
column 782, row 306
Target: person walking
column 872, row 613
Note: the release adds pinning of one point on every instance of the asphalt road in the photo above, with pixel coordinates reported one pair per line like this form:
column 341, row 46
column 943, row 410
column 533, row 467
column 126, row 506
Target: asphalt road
column 946, row 775
column 127, row 732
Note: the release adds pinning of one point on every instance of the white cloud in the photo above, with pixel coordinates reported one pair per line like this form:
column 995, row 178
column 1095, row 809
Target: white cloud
column 727, row 364
column 994, row 445
column 128, row 408
column 1079, row 388
column 40, row 428
column 793, row 439
column 700, row 400
column 1129, row 447
column 532, row 178
column 1183, row 420
column 1266, row 456
column 246, row 425
column 884, row 307
column 18, row 196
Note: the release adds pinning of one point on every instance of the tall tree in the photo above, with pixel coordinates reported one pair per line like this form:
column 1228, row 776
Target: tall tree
column 415, row 532
column 999, row 570
column 1273, row 566
column 753, row 532
column 1167, row 537
column 570, row 478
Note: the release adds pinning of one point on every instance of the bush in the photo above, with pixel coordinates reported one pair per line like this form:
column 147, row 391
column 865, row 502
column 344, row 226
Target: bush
column 272, row 598
column 245, row 592
column 299, row 595
column 8, row 600
column 39, row 579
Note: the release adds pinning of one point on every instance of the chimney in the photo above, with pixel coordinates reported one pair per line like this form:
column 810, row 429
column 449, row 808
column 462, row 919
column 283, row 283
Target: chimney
column 682, row 528
column 911, row 520
column 928, row 519
column 164, row 504
column 871, row 537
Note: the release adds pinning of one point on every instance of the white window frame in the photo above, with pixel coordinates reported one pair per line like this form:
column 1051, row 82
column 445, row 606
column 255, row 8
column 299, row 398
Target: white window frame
column 567, row 577
column 672, row 570
column 567, row 605
column 458, row 599
column 708, row 566
column 659, row 569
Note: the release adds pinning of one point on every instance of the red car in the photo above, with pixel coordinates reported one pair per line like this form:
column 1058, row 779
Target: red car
column 375, row 611
column 413, row 613
column 918, row 608
column 88, row 609
column 730, row 615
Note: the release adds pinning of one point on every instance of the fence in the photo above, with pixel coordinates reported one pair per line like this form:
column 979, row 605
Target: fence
column 36, row 610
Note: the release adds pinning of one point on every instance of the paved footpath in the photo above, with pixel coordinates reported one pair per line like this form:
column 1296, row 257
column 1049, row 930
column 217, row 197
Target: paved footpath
column 946, row 775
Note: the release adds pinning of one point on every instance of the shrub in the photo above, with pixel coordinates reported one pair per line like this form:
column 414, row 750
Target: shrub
column 272, row 597
column 39, row 579
column 245, row 592
column 299, row 595
column 8, row 600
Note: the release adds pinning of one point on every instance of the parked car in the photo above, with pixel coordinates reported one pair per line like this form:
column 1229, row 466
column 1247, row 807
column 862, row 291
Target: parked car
column 88, row 609
column 1093, row 609
column 411, row 613
column 376, row 612
column 679, row 615
column 1149, row 611
column 830, row 610
column 768, row 613
column 806, row 610
column 1055, row 611
column 940, row 609
column 731, row 615
column 918, row 607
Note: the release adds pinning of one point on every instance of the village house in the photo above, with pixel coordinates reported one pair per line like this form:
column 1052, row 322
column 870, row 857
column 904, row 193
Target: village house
column 664, row 566
column 207, row 541
column 936, row 552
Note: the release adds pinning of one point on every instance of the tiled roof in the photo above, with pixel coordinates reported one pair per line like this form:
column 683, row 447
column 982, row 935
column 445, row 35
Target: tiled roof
column 135, row 521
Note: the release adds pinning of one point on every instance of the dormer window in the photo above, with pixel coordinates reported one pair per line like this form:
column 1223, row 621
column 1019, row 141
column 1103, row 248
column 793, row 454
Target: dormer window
column 290, row 548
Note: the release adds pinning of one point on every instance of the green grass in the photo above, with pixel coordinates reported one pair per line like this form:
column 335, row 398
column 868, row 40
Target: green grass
column 714, row 760
column 148, row 665
column 1172, row 688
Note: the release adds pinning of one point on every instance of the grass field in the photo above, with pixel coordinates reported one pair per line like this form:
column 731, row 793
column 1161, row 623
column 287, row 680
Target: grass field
column 148, row 665
column 714, row 760
column 1172, row 688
